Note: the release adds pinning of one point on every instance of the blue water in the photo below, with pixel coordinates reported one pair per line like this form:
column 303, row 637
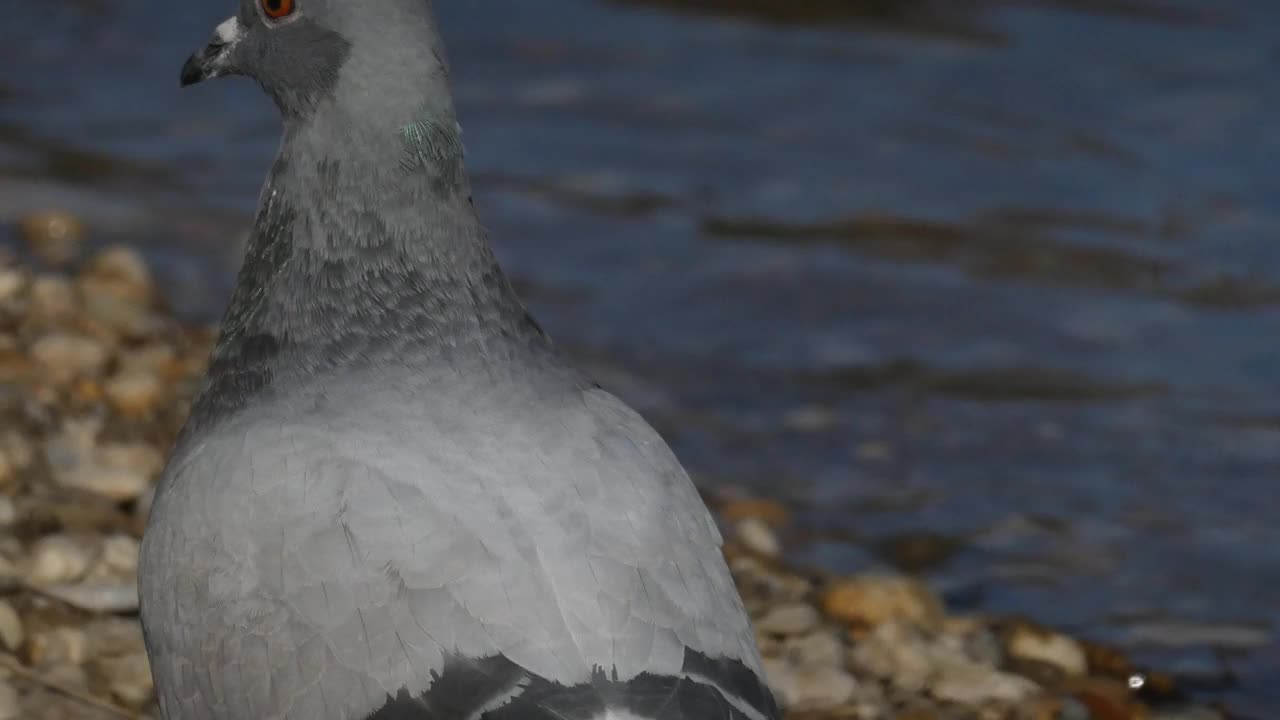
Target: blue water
column 1006, row 271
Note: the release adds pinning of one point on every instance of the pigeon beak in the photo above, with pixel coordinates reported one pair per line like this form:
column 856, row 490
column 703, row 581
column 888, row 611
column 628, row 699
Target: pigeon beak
column 211, row 60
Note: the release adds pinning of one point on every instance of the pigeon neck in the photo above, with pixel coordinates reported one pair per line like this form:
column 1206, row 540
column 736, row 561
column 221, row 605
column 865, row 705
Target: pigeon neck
column 353, row 267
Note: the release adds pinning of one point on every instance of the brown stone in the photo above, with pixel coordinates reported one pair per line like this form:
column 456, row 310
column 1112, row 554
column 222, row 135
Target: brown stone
column 772, row 512
column 874, row 599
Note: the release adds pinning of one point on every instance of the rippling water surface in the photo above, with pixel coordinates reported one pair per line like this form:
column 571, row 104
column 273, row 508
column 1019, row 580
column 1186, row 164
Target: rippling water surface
column 995, row 279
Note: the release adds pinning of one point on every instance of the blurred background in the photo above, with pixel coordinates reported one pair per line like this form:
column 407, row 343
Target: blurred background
column 987, row 290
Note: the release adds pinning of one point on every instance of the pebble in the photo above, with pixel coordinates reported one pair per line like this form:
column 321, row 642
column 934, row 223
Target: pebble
column 772, row 512
column 10, row 709
column 120, row 555
column 797, row 688
column 57, row 645
column 757, row 536
column 54, row 236
column 120, row 471
column 1028, row 642
column 123, row 270
column 791, row 619
column 64, row 356
column 58, row 559
column 128, row 679
column 11, row 630
column 896, row 652
column 17, row 449
column 52, row 300
column 968, row 683
column 818, row 648
column 96, row 596
column 11, row 283
column 134, row 393
column 875, row 599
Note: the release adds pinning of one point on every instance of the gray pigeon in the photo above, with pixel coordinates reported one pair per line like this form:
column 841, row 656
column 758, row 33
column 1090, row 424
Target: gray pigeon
column 394, row 499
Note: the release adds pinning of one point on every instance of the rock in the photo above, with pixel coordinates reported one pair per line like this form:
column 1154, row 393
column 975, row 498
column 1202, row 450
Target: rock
column 112, row 637
column 8, row 510
column 120, row 471
column 134, row 393
column 53, row 300
column 964, row 682
column 10, row 709
column 7, row 472
column 64, row 356
column 123, row 271
column 128, row 679
column 875, row 599
column 58, row 559
column 756, row 535
column 11, row 630
column 1028, row 642
column 820, row 686
column 120, row 555
column 97, row 596
column 1106, row 699
column 772, row 512
column 11, row 284
column 57, row 645
column 818, row 648
column 54, row 236
column 68, row 674
column 790, row 619
column 897, row 652
column 816, row 687
column 17, row 449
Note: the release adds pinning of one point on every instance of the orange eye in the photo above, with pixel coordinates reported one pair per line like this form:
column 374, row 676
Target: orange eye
column 276, row 9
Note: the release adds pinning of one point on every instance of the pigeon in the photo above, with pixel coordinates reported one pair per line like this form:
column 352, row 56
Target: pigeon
column 394, row 497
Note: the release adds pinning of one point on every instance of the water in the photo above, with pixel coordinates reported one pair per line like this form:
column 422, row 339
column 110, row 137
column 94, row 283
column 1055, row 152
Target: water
column 1000, row 271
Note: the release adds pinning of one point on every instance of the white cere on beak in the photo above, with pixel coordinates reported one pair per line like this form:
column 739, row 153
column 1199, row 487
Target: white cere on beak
column 228, row 31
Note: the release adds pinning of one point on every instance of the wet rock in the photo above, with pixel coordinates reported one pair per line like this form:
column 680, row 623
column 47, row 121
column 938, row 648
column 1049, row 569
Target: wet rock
column 54, row 236
column 790, row 619
column 134, row 393
column 58, row 559
column 64, row 356
column 1106, row 699
column 757, row 537
column 1029, row 642
column 875, row 599
column 11, row 630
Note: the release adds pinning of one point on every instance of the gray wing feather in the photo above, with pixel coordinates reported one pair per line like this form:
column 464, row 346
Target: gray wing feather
column 353, row 562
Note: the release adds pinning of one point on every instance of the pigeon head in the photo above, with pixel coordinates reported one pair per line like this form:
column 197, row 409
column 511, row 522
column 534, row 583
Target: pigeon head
column 382, row 56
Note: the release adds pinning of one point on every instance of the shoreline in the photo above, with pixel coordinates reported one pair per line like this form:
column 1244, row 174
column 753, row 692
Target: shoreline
column 95, row 380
